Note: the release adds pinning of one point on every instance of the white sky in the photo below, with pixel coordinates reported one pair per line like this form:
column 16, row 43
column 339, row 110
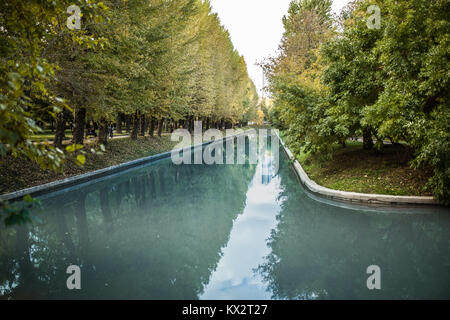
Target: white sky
column 256, row 29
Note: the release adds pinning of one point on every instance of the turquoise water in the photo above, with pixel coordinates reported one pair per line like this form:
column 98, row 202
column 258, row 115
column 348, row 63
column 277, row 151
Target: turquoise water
column 163, row 231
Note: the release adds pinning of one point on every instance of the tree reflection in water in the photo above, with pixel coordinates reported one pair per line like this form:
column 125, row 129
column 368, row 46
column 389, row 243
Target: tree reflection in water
column 159, row 231
column 321, row 251
column 152, row 233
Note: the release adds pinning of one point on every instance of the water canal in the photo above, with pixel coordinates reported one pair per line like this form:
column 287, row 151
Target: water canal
column 162, row 231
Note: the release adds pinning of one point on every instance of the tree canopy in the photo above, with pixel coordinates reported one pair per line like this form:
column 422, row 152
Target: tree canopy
column 143, row 60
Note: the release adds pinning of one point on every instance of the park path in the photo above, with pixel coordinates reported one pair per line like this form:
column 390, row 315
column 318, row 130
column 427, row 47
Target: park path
column 92, row 139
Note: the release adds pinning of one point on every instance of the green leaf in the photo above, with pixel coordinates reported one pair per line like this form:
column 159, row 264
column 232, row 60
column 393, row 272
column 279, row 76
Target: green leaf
column 81, row 158
column 71, row 148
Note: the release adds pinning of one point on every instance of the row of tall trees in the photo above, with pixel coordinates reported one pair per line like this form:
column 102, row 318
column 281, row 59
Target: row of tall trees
column 339, row 77
column 136, row 63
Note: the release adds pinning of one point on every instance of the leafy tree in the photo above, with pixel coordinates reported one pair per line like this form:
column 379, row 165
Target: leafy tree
column 28, row 30
column 337, row 79
column 294, row 76
column 392, row 81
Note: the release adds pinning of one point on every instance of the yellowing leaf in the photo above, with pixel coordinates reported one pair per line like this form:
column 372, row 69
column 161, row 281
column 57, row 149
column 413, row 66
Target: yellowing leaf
column 81, row 158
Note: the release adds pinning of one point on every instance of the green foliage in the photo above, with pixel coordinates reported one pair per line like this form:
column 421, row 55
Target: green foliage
column 19, row 213
column 171, row 66
column 299, row 97
column 28, row 30
column 127, row 58
column 391, row 83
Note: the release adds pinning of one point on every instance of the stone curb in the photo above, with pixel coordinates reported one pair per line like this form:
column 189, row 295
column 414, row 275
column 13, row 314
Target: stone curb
column 71, row 181
column 352, row 196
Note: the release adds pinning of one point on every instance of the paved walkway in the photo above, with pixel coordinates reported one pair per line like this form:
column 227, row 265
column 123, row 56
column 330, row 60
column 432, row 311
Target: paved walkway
column 68, row 141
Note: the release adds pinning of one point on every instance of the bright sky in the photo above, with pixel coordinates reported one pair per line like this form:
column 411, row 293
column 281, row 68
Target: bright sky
column 256, row 29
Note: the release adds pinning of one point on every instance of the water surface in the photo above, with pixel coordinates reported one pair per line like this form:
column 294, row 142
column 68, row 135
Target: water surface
column 163, row 231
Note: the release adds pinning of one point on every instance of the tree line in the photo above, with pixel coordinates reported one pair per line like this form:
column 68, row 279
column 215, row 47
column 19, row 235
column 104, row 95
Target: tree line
column 341, row 77
column 139, row 64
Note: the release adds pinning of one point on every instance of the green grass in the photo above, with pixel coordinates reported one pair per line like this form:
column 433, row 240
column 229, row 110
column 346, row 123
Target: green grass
column 48, row 135
column 367, row 171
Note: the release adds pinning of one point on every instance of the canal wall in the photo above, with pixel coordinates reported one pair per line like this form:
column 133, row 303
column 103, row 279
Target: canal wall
column 313, row 187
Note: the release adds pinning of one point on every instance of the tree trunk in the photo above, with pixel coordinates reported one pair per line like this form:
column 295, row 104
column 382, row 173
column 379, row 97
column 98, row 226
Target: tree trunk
column 119, row 122
column 142, row 124
column 78, row 125
column 128, row 123
column 152, row 127
column 134, row 132
column 367, row 139
column 60, row 128
column 186, row 124
column 103, row 132
column 191, row 124
column 175, row 126
column 160, row 126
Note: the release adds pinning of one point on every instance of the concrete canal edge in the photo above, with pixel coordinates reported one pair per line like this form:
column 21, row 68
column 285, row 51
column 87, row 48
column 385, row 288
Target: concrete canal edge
column 352, row 196
column 75, row 180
